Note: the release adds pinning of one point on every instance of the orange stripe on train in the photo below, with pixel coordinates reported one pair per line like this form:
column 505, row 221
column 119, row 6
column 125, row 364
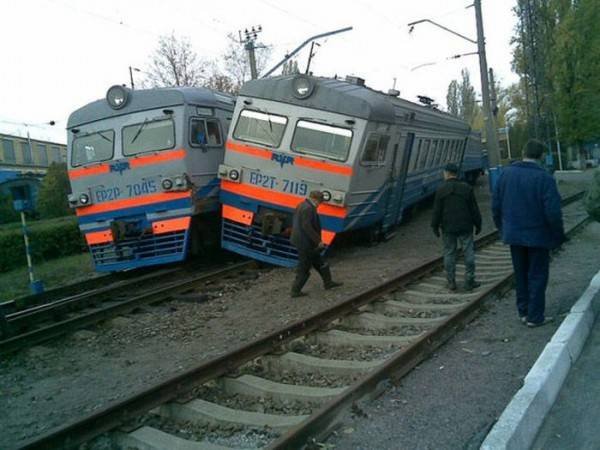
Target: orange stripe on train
column 137, row 161
column 131, row 202
column 238, row 215
column 300, row 161
column 171, row 225
column 99, row 237
column 279, row 198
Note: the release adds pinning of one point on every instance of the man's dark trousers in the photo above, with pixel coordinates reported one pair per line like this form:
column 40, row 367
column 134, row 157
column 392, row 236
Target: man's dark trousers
column 531, row 266
column 308, row 257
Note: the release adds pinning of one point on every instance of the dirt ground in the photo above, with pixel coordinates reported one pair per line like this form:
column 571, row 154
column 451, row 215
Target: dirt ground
column 50, row 385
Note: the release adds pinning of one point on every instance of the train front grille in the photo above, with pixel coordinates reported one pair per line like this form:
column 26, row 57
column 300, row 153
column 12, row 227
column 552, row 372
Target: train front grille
column 142, row 248
column 251, row 238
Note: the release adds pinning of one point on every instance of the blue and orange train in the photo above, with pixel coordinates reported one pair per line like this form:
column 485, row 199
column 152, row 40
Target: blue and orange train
column 143, row 172
column 372, row 154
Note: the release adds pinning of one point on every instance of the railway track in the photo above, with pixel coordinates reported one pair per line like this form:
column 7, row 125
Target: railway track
column 45, row 321
column 289, row 388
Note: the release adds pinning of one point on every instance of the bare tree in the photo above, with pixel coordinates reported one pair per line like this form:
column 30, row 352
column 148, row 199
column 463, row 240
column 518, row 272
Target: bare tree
column 174, row 63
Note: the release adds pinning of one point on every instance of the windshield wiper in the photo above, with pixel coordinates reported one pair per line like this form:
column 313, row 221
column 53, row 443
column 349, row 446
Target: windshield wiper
column 139, row 131
column 104, row 137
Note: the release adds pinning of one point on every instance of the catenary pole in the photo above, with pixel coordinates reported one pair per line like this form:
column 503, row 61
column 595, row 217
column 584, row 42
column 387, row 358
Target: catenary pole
column 490, row 124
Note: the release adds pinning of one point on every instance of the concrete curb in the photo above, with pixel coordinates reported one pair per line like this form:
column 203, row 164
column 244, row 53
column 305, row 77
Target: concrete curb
column 520, row 422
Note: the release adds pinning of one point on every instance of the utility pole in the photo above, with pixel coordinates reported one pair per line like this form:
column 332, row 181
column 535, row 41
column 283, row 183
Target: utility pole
column 249, row 41
column 490, row 124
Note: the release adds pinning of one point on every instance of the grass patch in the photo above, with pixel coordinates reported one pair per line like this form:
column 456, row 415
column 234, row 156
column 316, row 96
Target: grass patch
column 54, row 273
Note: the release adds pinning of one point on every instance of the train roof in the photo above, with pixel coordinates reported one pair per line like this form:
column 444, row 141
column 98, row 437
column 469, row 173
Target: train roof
column 351, row 98
column 145, row 99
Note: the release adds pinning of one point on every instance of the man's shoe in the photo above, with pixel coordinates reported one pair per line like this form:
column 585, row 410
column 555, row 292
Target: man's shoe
column 298, row 294
column 470, row 285
column 332, row 284
column 451, row 285
column 539, row 324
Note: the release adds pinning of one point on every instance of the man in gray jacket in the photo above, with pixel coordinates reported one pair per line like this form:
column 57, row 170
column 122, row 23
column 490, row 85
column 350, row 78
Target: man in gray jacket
column 306, row 237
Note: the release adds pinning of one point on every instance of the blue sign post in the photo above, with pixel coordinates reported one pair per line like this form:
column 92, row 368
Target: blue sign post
column 36, row 286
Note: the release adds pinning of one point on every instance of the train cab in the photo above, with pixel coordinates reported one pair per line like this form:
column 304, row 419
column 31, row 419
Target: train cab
column 143, row 172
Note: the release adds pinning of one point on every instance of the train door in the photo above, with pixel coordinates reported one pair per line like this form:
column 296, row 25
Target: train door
column 397, row 177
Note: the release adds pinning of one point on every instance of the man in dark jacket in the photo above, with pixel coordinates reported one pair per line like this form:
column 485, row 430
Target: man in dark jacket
column 455, row 210
column 306, row 237
column 526, row 210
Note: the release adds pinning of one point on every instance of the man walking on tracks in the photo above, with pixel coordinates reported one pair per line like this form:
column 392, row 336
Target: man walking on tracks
column 526, row 210
column 306, row 237
column 455, row 210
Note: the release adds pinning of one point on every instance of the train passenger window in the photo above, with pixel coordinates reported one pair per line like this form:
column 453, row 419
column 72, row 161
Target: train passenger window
column 443, row 153
column 260, row 128
column 414, row 156
column 93, row 147
column 322, row 140
column 214, row 133
column 424, row 153
column 375, row 148
column 198, row 132
column 432, row 153
column 439, row 153
column 148, row 137
column 205, row 132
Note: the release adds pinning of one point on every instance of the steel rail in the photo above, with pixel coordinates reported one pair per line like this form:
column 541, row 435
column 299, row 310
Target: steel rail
column 54, row 330
column 116, row 414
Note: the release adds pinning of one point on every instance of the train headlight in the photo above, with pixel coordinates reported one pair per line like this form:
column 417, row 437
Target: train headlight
column 338, row 197
column 167, row 184
column 117, row 96
column 234, row 175
column 302, row 86
column 326, row 196
column 84, row 199
column 179, row 181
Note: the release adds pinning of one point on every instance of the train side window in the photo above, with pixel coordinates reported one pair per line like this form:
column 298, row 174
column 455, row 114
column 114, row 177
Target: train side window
column 414, row 157
column 424, row 153
column 438, row 154
column 198, row 132
column 452, row 155
column 371, row 148
column 375, row 148
column 432, row 153
column 214, row 133
column 446, row 150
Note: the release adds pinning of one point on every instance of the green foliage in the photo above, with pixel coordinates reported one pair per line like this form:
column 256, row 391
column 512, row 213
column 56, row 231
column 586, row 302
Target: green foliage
column 557, row 55
column 52, row 197
column 453, row 99
column 48, row 240
column 592, row 198
column 7, row 212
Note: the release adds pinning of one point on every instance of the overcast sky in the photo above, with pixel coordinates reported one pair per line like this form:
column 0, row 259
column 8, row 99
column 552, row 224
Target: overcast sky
column 58, row 55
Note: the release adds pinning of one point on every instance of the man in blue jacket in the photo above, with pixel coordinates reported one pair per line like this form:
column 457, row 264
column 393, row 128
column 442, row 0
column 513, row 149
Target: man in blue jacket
column 526, row 210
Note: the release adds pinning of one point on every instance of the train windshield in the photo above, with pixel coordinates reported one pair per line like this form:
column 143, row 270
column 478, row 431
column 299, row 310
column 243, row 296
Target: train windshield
column 148, row 136
column 261, row 128
column 322, row 140
column 93, row 147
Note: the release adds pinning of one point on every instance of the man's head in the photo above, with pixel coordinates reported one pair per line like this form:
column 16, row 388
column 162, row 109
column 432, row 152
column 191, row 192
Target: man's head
column 534, row 149
column 450, row 171
column 316, row 196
